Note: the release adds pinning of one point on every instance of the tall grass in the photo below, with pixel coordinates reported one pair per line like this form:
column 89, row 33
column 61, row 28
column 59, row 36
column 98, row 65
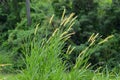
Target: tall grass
column 42, row 55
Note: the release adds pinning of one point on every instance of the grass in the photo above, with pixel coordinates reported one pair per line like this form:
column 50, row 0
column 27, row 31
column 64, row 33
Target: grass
column 43, row 60
column 7, row 76
column 73, row 75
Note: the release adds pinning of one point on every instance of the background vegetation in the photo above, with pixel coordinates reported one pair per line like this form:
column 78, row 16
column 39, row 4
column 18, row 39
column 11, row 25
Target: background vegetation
column 50, row 49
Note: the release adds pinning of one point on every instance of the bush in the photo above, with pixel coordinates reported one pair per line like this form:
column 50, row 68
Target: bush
column 14, row 29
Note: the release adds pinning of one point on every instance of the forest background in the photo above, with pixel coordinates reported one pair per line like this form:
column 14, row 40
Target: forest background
column 96, row 18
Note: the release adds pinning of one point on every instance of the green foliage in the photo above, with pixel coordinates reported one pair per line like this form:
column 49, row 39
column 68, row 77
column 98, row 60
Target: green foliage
column 96, row 16
column 15, row 29
column 93, row 16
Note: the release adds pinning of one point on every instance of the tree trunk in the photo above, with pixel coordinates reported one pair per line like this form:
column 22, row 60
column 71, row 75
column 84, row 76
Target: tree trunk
column 28, row 12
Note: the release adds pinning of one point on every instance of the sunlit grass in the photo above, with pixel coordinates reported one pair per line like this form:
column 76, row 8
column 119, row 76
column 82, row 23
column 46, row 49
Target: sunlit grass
column 4, row 76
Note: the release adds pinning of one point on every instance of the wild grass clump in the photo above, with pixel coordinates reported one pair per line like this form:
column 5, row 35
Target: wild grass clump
column 42, row 55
